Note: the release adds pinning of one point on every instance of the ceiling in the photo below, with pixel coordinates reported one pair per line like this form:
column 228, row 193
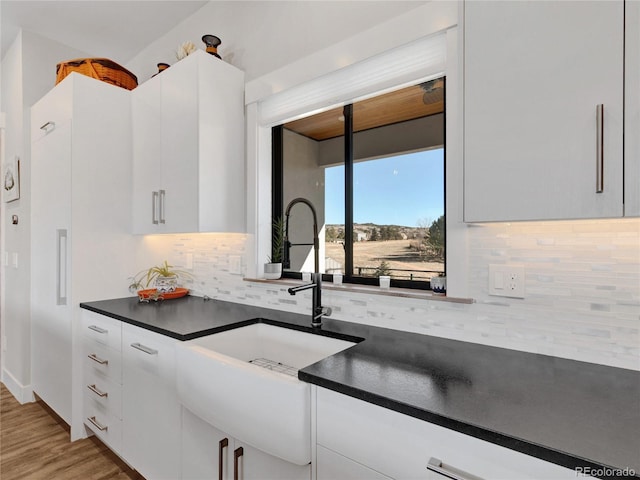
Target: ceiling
column 115, row 29
column 394, row 107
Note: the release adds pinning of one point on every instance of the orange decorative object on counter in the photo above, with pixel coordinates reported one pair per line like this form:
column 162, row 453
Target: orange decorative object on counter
column 152, row 294
column 101, row 68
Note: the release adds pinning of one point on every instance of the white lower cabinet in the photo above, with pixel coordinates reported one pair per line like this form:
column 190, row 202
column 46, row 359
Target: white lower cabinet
column 102, row 378
column 394, row 445
column 150, row 408
column 331, row 466
column 209, row 453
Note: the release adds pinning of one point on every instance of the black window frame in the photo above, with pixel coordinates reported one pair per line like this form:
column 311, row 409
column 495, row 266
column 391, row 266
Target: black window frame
column 277, row 202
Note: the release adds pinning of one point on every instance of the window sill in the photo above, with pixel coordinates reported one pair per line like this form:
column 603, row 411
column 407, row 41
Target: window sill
column 370, row 290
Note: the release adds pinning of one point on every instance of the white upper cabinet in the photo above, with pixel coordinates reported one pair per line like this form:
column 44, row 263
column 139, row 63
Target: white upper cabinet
column 188, row 149
column 534, row 75
column 632, row 110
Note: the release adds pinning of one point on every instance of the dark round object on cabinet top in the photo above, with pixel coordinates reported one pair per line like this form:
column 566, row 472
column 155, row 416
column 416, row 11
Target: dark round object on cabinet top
column 212, row 42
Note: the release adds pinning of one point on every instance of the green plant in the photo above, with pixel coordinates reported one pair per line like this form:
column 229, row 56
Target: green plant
column 383, row 269
column 277, row 240
column 144, row 278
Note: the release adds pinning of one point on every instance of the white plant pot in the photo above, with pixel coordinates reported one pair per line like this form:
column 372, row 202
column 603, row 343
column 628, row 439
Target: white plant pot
column 166, row 284
column 439, row 285
column 272, row 271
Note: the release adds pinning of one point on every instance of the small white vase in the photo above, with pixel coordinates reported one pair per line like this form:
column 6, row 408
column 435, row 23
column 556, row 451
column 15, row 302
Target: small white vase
column 272, row 271
column 439, row 285
column 166, row 284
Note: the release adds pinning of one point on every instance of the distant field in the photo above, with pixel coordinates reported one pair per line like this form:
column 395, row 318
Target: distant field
column 395, row 252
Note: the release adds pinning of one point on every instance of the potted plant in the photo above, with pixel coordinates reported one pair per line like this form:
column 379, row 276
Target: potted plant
column 439, row 284
column 163, row 277
column 273, row 268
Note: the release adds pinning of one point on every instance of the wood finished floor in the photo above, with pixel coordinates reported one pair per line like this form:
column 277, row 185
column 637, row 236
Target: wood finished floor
column 34, row 445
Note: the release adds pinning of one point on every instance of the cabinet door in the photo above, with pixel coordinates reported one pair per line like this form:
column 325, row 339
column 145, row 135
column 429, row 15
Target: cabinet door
column 255, row 464
column 534, row 73
column 401, row 447
column 50, row 287
column 150, row 408
column 180, row 152
column 331, row 465
column 632, row 110
column 209, row 453
column 147, row 156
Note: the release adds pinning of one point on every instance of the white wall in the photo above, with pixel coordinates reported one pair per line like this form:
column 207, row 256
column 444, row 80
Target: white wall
column 28, row 72
column 259, row 37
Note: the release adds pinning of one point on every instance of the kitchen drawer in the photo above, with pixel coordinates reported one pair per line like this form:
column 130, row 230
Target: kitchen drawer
column 107, row 426
column 102, row 360
column 102, row 329
column 360, row 431
column 104, row 391
column 151, row 354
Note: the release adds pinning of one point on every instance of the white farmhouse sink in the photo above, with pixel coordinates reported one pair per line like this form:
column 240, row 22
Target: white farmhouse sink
column 264, row 407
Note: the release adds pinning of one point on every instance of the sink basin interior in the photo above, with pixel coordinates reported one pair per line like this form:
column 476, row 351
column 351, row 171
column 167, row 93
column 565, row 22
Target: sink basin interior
column 273, row 347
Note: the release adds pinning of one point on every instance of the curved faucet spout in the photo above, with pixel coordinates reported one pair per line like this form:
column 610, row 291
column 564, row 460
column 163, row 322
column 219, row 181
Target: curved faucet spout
column 316, row 241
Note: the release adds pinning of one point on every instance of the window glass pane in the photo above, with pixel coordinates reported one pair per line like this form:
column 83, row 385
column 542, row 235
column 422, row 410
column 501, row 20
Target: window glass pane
column 396, row 200
column 313, row 146
column 334, row 229
column 398, row 183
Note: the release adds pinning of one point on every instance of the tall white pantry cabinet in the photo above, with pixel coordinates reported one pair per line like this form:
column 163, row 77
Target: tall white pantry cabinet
column 80, row 224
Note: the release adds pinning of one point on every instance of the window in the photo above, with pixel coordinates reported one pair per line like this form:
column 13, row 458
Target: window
column 373, row 174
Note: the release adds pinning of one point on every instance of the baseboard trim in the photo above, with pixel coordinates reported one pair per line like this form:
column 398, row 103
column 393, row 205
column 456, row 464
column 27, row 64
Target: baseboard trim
column 22, row 393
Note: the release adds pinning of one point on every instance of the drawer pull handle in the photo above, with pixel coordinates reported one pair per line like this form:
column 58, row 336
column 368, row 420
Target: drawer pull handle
column 97, row 359
column 102, row 428
column 599, row 148
column 46, row 126
column 222, row 444
column 435, row 465
column 237, row 453
column 95, row 390
column 95, row 328
column 145, row 349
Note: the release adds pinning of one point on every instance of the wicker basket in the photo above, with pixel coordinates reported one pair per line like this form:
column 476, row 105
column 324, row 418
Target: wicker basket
column 100, row 68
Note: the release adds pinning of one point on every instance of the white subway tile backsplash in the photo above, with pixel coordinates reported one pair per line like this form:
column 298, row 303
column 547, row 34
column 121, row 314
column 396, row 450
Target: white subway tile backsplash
column 582, row 287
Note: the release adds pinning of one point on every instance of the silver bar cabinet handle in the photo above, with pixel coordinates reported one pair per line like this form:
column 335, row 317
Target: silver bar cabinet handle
column 435, row 465
column 154, row 208
column 599, row 148
column 97, row 359
column 145, row 349
column 98, row 392
column 162, row 197
column 95, row 328
column 61, row 273
column 93, row 420
column 46, row 126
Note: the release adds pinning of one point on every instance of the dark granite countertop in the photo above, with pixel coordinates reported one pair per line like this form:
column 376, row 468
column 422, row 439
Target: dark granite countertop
column 571, row 413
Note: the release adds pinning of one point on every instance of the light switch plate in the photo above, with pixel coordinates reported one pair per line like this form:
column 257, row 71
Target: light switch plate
column 506, row 280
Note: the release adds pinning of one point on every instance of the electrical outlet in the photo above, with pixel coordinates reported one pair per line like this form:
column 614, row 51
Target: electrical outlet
column 506, row 280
